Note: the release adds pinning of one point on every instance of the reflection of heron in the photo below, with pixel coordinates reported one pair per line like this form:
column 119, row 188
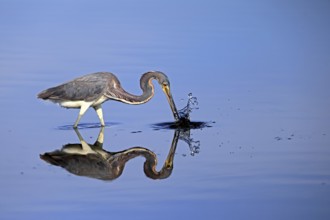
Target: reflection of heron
column 94, row 89
column 91, row 160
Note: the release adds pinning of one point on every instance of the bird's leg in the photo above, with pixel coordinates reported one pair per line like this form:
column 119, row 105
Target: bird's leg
column 98, row 109
column 82, row 111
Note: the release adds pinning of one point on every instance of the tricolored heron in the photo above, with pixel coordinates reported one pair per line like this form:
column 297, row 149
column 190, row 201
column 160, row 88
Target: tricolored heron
column 93, row 89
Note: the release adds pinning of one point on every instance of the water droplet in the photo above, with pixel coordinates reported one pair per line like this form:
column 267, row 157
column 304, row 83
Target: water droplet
column 278, row 138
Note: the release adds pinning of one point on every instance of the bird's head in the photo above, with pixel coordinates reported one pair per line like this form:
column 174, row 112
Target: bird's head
column 165, row 84
column 162, row 79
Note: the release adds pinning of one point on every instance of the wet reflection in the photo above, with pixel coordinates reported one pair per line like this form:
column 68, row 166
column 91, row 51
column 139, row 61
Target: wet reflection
column 91, row 160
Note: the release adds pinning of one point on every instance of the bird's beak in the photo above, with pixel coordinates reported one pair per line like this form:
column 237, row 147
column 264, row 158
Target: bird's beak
column 170, row 100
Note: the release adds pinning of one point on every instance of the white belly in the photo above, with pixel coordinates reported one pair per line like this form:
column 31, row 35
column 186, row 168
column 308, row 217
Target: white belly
column 79, row 103
column 74, row 104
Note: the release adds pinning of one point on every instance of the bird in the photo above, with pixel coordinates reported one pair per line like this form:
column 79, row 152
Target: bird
column 92, row 90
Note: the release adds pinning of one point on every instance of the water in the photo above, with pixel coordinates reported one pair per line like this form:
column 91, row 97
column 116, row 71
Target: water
column 192, row 104
column 260, row 70
column 184, row 123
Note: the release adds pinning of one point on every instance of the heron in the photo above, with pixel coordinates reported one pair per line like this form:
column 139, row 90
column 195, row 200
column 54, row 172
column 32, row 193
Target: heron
column 92, row 90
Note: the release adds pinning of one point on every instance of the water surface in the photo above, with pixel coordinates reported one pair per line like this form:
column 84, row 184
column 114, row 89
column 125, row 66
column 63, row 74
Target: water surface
column 260, row 70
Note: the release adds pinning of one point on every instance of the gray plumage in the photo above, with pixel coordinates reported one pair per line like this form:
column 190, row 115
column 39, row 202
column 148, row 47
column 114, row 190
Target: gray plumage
column 87, row 88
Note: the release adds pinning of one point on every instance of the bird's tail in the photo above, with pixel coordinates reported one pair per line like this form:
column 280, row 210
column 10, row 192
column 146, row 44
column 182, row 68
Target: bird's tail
column 46, row 94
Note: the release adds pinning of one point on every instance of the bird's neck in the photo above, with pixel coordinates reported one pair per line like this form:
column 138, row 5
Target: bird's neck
column 147, row 87
column 147, row 90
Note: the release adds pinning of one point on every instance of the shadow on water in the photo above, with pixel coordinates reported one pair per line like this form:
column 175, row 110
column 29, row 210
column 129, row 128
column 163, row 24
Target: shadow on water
column 91, row 160
column 86, row 126
column 182, row 125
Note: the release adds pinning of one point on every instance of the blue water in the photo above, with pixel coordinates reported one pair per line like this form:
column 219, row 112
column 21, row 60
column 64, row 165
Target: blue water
column 260, row 71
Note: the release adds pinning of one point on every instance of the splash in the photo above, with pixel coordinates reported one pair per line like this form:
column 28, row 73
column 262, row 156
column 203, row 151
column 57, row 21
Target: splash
column 184, row 113
column 184, row 121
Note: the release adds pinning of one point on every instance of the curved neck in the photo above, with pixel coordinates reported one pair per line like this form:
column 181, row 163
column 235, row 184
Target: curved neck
column 146, row 86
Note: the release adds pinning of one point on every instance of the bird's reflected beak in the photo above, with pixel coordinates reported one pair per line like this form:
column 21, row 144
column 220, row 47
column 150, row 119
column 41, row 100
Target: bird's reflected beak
column 170, row 100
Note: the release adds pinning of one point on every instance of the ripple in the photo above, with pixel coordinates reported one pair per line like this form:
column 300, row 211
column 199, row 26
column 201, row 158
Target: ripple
column 86, row 126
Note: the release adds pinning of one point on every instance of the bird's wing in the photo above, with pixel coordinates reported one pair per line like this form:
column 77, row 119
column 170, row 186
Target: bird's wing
column 87, row 88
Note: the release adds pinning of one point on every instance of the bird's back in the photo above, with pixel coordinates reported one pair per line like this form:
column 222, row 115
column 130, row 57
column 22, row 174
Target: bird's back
column 86, row 88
